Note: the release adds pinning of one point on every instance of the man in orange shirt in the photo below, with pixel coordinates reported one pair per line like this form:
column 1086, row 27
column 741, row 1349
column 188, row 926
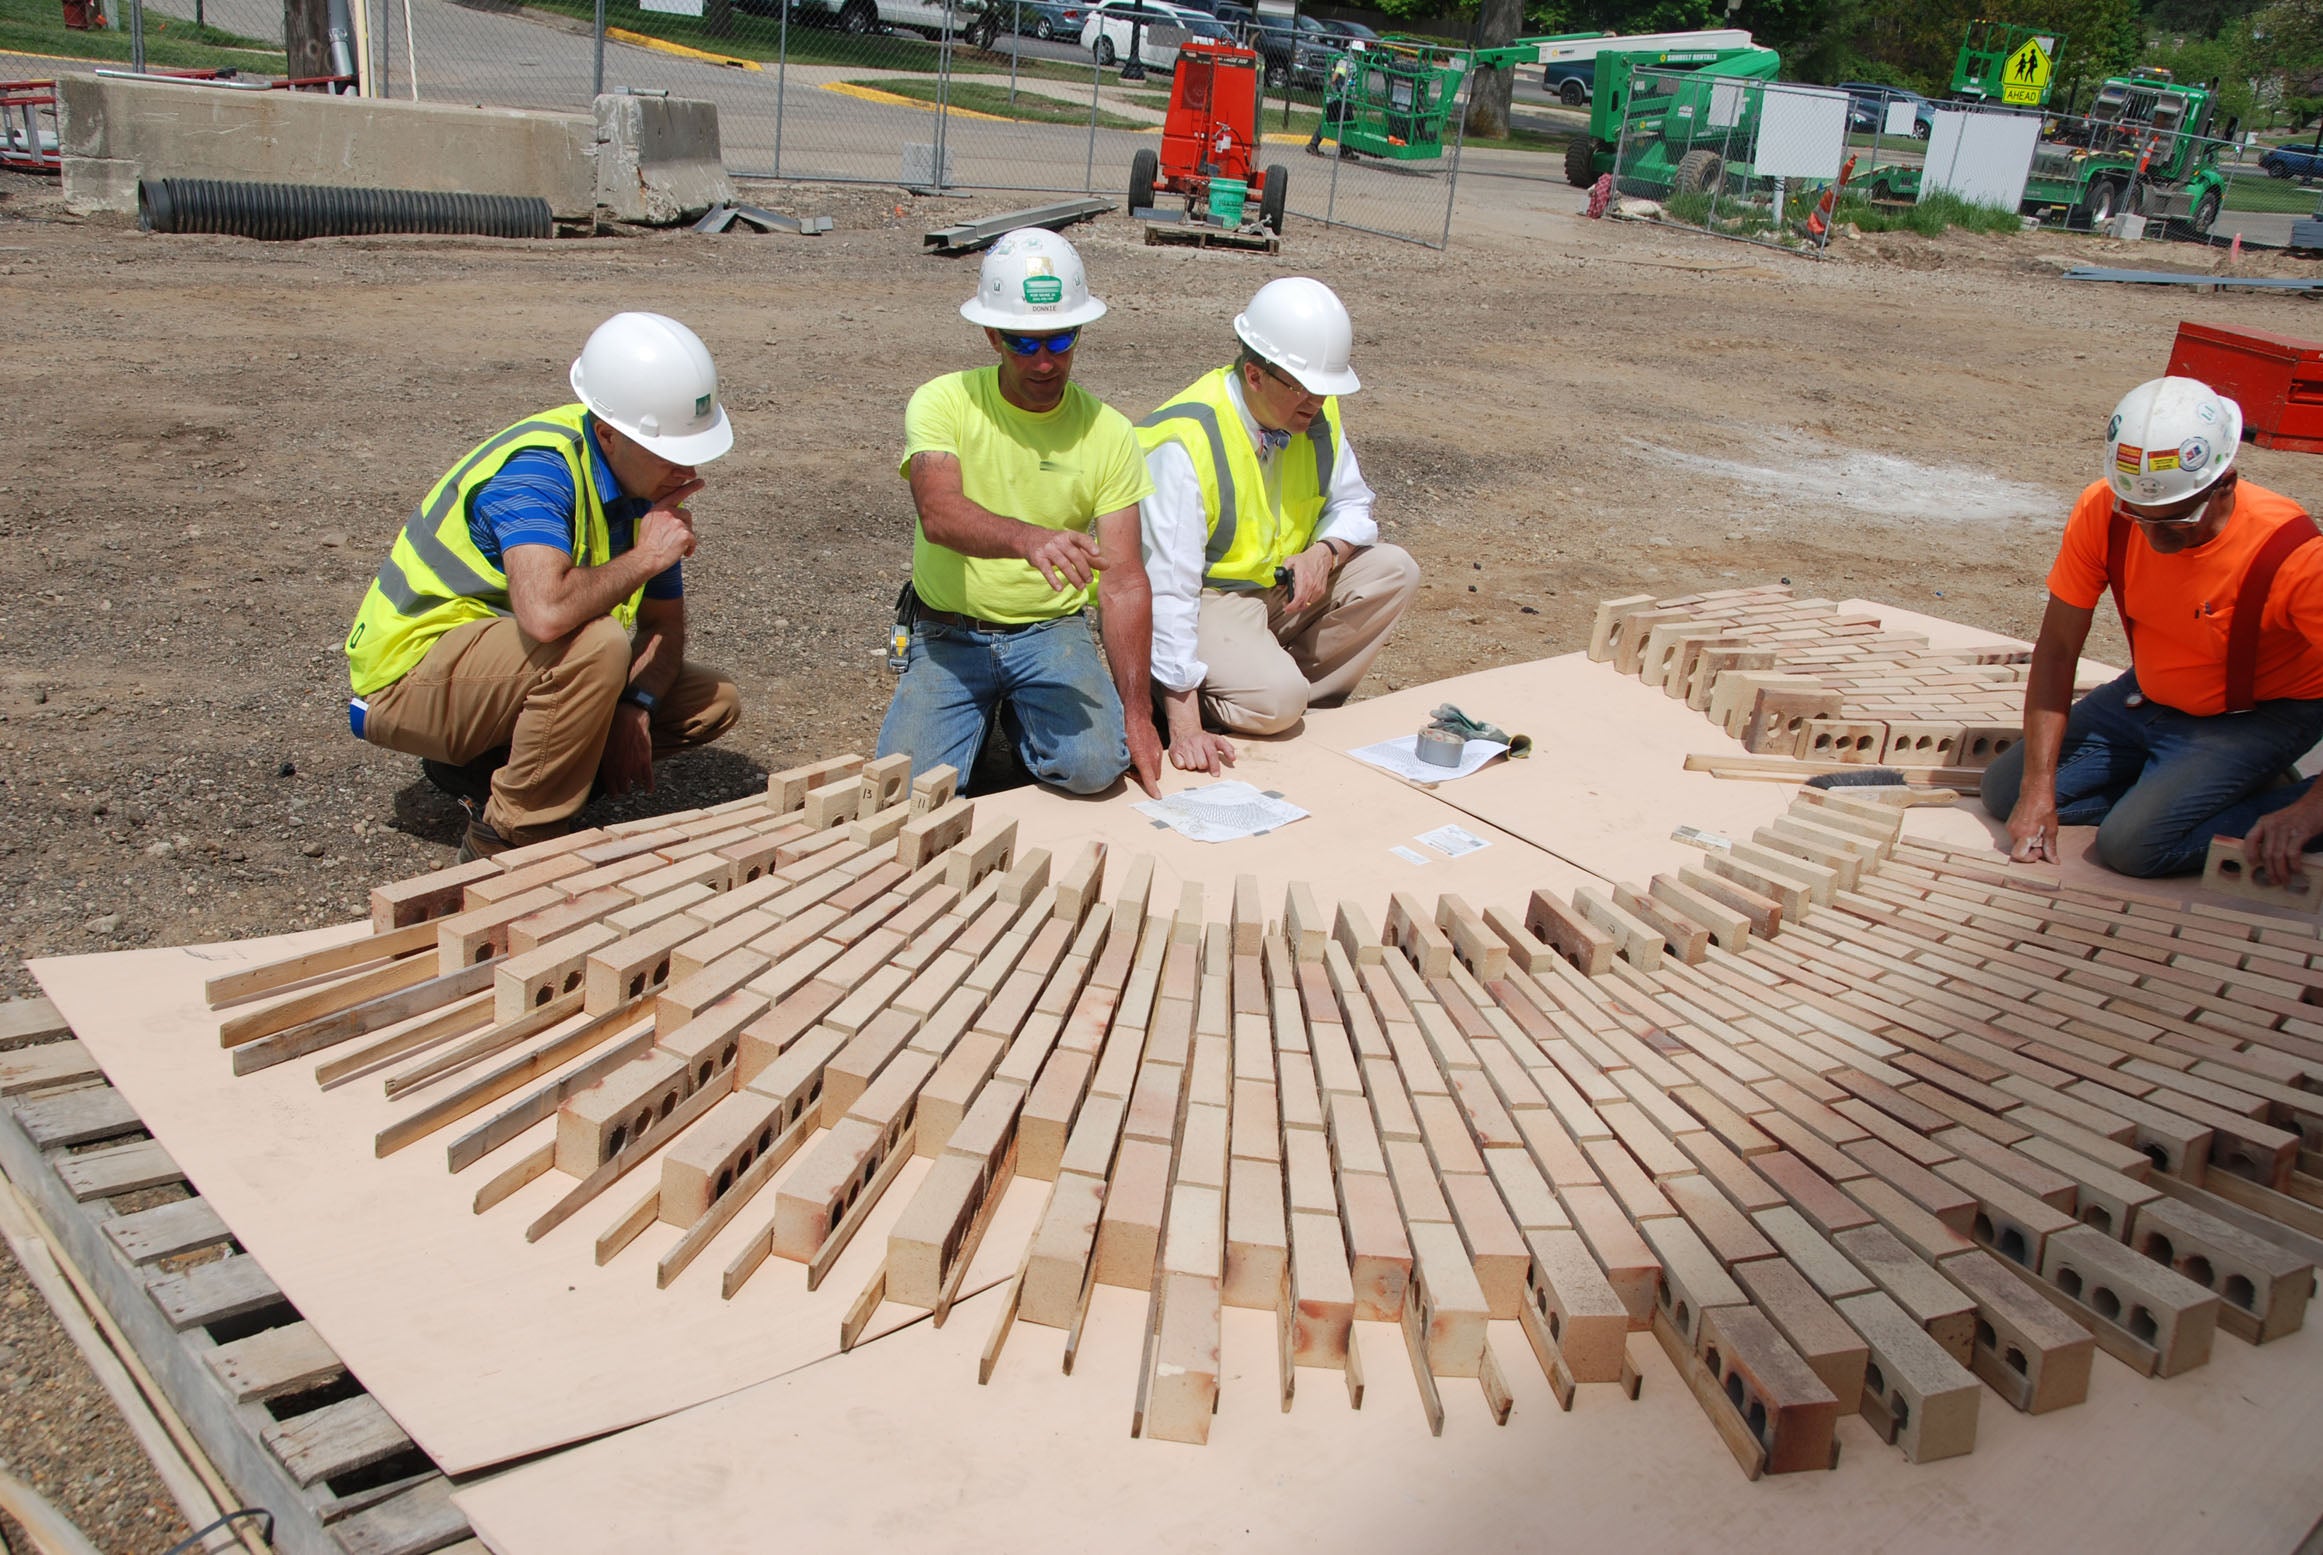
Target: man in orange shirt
column 2221, row 595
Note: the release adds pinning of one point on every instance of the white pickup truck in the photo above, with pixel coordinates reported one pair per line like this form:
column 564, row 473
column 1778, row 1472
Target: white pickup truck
column 925, row 17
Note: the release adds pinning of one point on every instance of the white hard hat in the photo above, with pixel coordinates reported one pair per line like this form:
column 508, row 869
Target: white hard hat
column 651, row 379
column 2170, row 439
column 1300, row 325
column 1032, row 281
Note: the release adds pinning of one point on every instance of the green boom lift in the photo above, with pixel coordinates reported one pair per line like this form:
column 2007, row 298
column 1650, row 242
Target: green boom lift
column 1676, row 138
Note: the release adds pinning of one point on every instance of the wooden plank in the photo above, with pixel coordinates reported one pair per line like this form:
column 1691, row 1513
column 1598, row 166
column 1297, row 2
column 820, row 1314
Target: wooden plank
column 316, row 1003
column 100, row 1174
column 323, row 1031
column 50, row 1063
column 275, row 1363
column 420, row 1520
column 166, row 1230
column 335, row 1439
column 496, row 1083
column 24, row 1021
column 230, row 1287
column 77, row 1117
column 268, row 976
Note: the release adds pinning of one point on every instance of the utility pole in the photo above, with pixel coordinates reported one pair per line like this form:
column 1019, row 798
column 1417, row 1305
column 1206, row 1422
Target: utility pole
column 306, row 37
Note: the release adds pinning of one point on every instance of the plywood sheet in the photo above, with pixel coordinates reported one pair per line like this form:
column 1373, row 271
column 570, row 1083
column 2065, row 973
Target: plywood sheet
column 1606, row 781
column 896, row 1443
column 1342, row 849
column 482, row 1347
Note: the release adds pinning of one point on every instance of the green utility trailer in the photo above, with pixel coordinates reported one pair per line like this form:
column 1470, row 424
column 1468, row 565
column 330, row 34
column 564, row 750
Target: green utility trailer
column 1677, row 139
column 2144, row 148
column 1403, row 90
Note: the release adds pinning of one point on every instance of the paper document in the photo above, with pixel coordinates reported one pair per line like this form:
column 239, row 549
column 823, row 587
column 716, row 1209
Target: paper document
column 1401, row 757
column 1222, row 812
column 1452, row 841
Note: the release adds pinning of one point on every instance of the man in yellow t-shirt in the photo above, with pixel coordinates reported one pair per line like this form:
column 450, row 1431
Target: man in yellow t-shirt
column 1027, row 488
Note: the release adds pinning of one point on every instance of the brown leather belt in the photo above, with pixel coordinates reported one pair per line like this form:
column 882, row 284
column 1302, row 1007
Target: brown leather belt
column 976, row 624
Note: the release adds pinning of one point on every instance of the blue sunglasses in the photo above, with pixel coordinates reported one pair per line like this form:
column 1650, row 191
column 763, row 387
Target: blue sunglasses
column 1032, row 345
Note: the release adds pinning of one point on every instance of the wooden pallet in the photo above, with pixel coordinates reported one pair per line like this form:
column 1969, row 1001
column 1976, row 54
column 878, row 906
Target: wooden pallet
column 1160, row 233
column 266, row 1398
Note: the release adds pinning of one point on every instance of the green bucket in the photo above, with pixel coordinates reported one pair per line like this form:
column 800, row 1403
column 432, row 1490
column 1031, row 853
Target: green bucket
column 1226, row 200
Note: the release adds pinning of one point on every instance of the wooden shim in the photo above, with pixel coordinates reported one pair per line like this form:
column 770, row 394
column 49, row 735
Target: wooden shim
column 456, row 1020
column 1749, row 1456
column 496, row 1039
column 629, row 1226
column 499, row 1082
column 858, row 1316
column 1431, row 1402
column 1545, row 1351
column 1003, row 1321
column 841, row 1234
column 318, row 1004
column 532, row 1165
column 727, row 1205
column 268, row 976
column 664, row 1130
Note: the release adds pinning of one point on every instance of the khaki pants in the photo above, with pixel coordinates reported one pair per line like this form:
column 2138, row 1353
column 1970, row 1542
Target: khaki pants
column 486, row 684
column 1268, row 665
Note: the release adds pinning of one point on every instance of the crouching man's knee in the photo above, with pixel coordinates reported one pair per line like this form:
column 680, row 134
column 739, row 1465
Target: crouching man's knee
column 1269, row 706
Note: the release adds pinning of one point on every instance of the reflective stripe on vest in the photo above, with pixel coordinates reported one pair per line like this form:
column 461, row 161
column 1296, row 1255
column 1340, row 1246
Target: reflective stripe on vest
column 435, row 579
column 1248, row 538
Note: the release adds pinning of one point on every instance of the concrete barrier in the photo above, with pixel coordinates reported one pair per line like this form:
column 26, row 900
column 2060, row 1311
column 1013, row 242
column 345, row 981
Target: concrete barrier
column 658, row 159
column 644, row 159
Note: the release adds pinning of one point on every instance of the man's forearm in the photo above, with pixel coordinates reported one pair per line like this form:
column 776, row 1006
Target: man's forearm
column 1127, row 609
column 1184, row 712
column 583, row 594
column 2048, row 703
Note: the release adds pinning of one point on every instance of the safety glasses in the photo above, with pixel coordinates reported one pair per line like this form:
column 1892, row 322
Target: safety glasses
column 1032, row 345
column 2185, row 515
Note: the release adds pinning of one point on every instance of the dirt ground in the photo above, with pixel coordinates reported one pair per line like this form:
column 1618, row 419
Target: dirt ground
column 213, row 442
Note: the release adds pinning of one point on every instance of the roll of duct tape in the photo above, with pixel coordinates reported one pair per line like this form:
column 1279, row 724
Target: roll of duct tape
column 1441, row 747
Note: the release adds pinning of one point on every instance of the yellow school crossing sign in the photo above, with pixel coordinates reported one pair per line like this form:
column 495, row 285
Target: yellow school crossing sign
column 2025, row 78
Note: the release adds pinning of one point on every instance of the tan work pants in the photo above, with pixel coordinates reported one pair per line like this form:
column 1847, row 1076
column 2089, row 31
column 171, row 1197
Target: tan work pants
column 486, row 684
column 1268, row 664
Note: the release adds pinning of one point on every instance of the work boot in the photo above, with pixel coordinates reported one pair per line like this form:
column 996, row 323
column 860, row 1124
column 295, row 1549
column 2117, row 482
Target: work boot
column 481, row 841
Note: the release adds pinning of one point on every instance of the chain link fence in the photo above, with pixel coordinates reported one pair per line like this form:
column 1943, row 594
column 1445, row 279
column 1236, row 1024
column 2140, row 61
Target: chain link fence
column 1747, row 159
column 1041, row 96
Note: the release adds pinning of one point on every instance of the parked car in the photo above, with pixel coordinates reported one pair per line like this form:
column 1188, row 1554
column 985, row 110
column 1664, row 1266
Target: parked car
column 1573, row 80
column 1043, row 19
column 1159, row 27
column 1867, row 108
column 925, row 17
column 1302, row 57
column 2300, row 162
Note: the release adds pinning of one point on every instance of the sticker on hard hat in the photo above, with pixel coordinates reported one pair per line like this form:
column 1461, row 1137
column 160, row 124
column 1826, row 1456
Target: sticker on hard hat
column 2162, row 459
column 2113, row 429
column 2193, row 454
column 1043, row 290
column 2129, row 458
column 702, row 404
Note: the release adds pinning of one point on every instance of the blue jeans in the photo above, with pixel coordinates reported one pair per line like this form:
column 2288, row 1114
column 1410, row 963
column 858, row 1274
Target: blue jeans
column 2158, row 784
column 1063, row 714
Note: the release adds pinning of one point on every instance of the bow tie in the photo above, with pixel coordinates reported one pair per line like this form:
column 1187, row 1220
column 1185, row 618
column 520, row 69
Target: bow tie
column 1271, row 442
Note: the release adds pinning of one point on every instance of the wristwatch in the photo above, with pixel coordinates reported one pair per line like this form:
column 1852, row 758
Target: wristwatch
column 638, row 697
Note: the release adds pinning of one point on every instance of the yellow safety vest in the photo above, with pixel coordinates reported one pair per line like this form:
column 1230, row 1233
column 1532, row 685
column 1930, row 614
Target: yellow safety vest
column 1250, row 535
column 436, row 579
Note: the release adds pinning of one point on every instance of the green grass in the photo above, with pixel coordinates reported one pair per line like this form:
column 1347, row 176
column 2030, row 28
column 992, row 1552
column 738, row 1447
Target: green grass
column 1929, row 218
column 2252, row 190
column 37, row 27
column 977, row 97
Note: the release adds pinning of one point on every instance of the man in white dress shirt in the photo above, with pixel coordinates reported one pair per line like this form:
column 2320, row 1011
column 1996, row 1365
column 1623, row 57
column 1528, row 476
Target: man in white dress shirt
column 1271, row 593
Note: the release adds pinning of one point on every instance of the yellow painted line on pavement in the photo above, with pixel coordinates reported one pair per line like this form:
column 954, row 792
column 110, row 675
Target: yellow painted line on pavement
column 663, row 45
column 872, row 94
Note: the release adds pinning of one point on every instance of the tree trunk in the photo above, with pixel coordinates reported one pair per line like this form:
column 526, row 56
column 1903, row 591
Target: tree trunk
column 1489, row 90
column 306, row 36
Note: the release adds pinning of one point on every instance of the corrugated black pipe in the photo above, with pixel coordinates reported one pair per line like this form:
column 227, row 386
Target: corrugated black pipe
column 283, row 211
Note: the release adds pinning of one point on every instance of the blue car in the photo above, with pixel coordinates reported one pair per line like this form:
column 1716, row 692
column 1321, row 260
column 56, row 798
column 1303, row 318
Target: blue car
column 1867, row 108
column 2300, row 162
